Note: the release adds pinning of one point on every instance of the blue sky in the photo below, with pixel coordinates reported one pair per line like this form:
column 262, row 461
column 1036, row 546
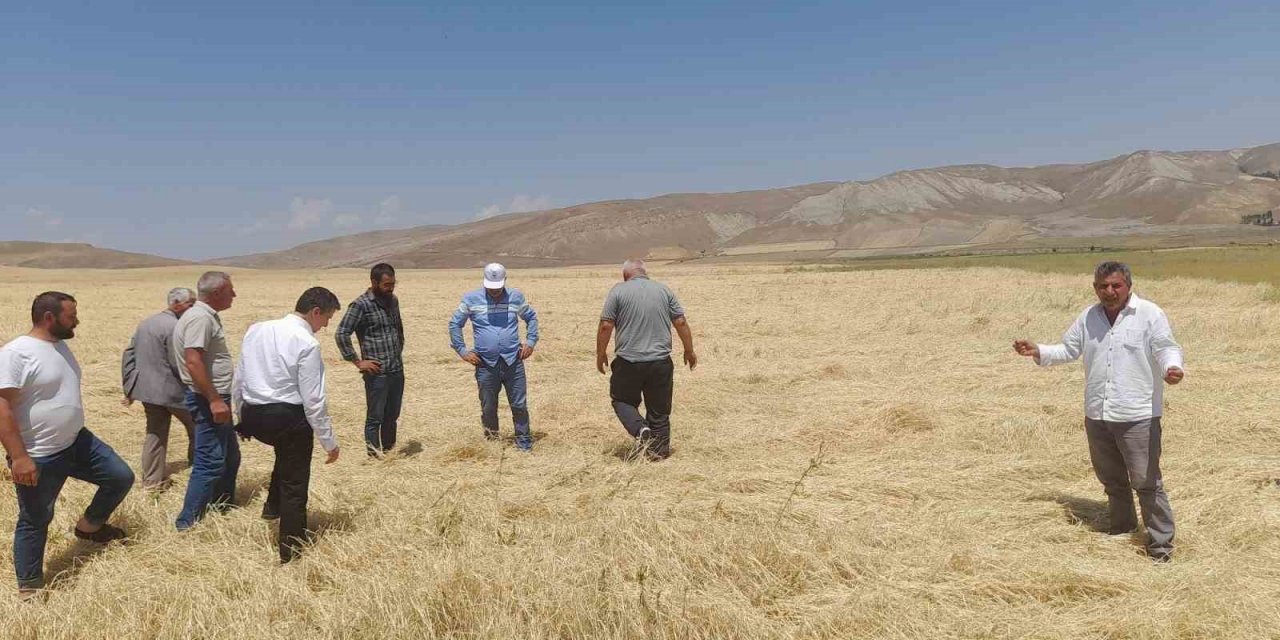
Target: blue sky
column 225, row 128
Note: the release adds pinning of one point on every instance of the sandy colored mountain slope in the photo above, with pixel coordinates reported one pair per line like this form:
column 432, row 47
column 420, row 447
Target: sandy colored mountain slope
column 49, row 255
column 672, row 226
column 1147, row 193
column 352, row 250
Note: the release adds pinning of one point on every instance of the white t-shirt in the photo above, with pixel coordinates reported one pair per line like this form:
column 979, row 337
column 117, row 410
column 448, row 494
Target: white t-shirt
column 50, row 413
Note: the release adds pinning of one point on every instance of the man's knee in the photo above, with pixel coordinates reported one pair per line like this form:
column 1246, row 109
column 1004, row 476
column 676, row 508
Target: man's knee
column 37, row 518
column 121, row 477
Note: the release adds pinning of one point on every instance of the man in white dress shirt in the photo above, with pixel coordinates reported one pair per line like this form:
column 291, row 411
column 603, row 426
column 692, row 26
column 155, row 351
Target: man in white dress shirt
column 1128, row 348
column 281, row 398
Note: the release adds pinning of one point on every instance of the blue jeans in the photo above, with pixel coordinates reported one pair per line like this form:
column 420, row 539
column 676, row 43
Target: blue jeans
column 213, row 475
column 383, row 395
column 88, row 459
column 492, row 378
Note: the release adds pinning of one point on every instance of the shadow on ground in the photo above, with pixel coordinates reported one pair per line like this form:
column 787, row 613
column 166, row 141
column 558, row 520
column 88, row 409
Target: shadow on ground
column 66, row 565
column 248, row 488
column 1077, row 510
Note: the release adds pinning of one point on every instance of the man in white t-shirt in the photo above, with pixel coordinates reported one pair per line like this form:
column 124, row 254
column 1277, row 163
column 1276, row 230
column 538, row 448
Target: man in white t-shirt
column 42, row 430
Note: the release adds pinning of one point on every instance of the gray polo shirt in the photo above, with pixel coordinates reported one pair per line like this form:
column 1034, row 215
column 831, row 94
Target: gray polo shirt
column 201, row 328
column 641, row 311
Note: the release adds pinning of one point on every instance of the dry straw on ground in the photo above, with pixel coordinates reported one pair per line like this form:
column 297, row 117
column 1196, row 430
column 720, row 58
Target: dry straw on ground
column 860, row 454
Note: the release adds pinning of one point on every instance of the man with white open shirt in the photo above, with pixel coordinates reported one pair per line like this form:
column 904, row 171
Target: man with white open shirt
column 1128, row 348
column 280, row 393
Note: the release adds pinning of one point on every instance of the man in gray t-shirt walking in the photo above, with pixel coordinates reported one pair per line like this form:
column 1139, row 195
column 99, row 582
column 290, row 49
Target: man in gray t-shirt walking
column 643, row 312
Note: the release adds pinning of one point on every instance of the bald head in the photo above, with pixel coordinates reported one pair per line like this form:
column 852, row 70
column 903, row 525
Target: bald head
column 633, row 268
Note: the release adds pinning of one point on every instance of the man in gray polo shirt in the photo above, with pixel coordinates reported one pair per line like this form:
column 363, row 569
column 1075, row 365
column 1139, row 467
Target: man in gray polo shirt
column 204, row 362
column 643, row 313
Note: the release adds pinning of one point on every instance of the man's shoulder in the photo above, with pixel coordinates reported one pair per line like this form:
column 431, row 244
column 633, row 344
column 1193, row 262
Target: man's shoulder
column 196, row 315
column 1143, row 304
column 361, row 300
column 159, row 321
column 18, row 347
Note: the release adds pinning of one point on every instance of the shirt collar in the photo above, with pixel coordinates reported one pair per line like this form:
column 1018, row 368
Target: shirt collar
column 1132, row 305
column 200, row 304
column 300, row 322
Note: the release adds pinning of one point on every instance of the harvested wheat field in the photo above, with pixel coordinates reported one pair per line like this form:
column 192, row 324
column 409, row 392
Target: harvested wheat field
column 859, row 454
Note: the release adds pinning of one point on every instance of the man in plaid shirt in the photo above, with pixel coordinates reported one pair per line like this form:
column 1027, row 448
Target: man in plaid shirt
column 375, row 320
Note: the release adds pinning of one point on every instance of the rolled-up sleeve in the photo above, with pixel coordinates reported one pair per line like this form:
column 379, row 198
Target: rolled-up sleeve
column 314, row 403
column 1068, row 350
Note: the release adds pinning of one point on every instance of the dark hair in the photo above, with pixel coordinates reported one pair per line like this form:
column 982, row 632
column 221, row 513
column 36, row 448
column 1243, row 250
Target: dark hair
column 1111, row 266
column 379, row 270
column 48, row 302
column 317, row 298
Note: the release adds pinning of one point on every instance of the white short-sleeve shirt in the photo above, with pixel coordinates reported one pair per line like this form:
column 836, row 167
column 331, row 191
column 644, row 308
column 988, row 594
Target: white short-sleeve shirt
column 50, row 412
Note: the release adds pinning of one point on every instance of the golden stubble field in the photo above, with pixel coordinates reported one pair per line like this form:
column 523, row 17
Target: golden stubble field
column 860, row 454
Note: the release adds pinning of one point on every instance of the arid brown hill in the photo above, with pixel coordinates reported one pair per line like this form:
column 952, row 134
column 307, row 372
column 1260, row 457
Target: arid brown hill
column 50, row 255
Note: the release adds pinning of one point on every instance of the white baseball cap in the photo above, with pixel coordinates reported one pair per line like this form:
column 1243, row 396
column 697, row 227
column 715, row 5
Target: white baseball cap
column 495, row 276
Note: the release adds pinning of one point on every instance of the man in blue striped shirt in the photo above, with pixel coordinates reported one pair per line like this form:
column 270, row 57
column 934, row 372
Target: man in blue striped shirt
column 498, row 355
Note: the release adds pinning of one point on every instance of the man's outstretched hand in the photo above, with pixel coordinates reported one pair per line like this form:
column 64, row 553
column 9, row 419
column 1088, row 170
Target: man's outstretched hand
column 1026, row 348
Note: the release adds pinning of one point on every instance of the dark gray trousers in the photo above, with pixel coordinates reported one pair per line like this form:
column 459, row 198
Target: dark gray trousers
column 1126, row 458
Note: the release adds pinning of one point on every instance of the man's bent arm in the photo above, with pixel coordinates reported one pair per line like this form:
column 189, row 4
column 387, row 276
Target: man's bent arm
column 1165, row 349
column 456, row 323
column 10, row 436
column 194, row 359
column 1071, row 347
column 350, row 321
column 530, row 318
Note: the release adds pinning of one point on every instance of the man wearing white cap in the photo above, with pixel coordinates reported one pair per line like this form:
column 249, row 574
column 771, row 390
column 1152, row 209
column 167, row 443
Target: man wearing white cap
column 497, row 353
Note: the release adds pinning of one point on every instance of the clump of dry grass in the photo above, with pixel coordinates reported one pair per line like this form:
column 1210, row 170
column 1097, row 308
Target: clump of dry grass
column 876, row 470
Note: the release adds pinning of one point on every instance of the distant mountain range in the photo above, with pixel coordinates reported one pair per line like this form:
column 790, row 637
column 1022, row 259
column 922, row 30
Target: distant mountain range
column 1146, row 193
column 1143, row 196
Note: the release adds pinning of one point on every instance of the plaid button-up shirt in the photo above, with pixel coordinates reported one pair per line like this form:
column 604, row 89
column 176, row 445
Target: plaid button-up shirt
column 379, row 330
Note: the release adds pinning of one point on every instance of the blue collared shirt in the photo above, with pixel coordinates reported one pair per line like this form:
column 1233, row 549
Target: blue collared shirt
column 495, row 325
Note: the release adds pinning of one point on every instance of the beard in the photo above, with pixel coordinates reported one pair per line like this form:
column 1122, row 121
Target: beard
column 62, row 332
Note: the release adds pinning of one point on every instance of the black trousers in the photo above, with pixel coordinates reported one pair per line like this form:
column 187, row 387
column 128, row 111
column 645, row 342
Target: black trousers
column 285, row 428
column 650, row 382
